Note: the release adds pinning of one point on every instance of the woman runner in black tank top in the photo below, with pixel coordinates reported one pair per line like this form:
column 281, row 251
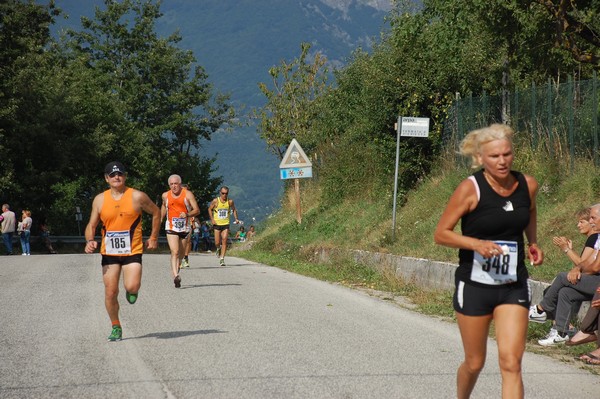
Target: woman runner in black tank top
column 496, row 217
column 496, row 207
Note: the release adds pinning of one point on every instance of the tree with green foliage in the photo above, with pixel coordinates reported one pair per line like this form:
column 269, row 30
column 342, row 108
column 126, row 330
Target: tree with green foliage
column 289, row 111
column 430, row 54
column 115, row 90
column 168, row 106
column 577, row 28
column 23, row 34
column 38, row 112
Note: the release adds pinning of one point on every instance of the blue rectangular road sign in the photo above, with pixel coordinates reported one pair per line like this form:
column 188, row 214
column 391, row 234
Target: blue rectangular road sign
column 295, row 173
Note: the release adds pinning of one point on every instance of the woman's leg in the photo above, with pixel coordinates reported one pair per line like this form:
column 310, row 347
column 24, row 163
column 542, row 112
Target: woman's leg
column 27, row 243
column 511, row 334
column 474, row 333
column 23, row 243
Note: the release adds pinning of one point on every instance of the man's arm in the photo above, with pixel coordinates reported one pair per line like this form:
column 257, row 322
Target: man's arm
column 590, row 265
column 90, row 229
column 234, row 211
column 535, row 253
column 211, row 207
column 146, row 204
column 163, row 208
column 192, row 200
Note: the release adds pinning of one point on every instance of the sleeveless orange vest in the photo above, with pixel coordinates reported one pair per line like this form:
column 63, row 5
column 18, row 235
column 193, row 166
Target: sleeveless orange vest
column 121, row 226
column 176, row 206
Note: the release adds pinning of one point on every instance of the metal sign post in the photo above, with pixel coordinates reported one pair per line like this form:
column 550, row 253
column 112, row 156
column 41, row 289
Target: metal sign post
column 78, row 218
column 409, row 127
column 398, row 129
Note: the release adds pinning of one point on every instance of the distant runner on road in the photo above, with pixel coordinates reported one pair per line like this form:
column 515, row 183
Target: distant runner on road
column 120, row 210
column 220, row 211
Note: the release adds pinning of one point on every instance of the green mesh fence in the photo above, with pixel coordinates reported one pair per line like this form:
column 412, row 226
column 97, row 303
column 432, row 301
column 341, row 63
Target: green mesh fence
column 554, row 116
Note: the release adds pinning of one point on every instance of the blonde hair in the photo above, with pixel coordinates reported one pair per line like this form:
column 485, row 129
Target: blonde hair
column 583, row 214
column 471, row 144
column 27, row 213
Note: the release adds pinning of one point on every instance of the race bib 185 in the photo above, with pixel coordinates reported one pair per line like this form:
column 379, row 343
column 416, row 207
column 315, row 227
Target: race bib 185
column 117, row 243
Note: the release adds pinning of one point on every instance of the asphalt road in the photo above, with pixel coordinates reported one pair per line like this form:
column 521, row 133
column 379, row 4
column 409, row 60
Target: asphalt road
column 241, row 331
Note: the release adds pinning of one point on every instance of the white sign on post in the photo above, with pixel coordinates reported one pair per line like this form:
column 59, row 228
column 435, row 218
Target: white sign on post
column 408, row 127
column 413, row 127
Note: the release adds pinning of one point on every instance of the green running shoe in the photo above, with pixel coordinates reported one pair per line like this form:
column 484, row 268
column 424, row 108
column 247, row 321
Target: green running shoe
column 131, row 298
column 222, row 262
column 116, row 334
column 185, row 263
column 218, row 252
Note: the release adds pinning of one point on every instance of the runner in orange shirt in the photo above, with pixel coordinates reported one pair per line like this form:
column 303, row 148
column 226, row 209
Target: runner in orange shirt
column 120, row 210
column 178, row 206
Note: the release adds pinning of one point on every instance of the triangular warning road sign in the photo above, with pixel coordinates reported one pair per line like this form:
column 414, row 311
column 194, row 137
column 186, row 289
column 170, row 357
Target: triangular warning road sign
column 294, row 157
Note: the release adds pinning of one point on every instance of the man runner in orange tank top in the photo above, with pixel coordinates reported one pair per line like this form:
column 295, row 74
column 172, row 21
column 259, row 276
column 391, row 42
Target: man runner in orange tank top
column 178, row 206
column 120, row 210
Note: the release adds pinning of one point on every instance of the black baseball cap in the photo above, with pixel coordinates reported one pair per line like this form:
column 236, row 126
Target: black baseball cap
column 114, row 166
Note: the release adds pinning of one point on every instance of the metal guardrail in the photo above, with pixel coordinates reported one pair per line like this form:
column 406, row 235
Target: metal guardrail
column 76, row 244
column 81, row 239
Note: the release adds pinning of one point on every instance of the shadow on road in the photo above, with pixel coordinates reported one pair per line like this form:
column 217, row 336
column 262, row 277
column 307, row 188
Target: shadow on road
column 178, row 334
column 184, row 287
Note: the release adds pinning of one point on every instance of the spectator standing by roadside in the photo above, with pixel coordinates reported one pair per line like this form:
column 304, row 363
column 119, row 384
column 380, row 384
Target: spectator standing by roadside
column 195, row 234
column 496, row 206
column 9, row 226
column 26, row 232
column 120, row 210
column 205, row 231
